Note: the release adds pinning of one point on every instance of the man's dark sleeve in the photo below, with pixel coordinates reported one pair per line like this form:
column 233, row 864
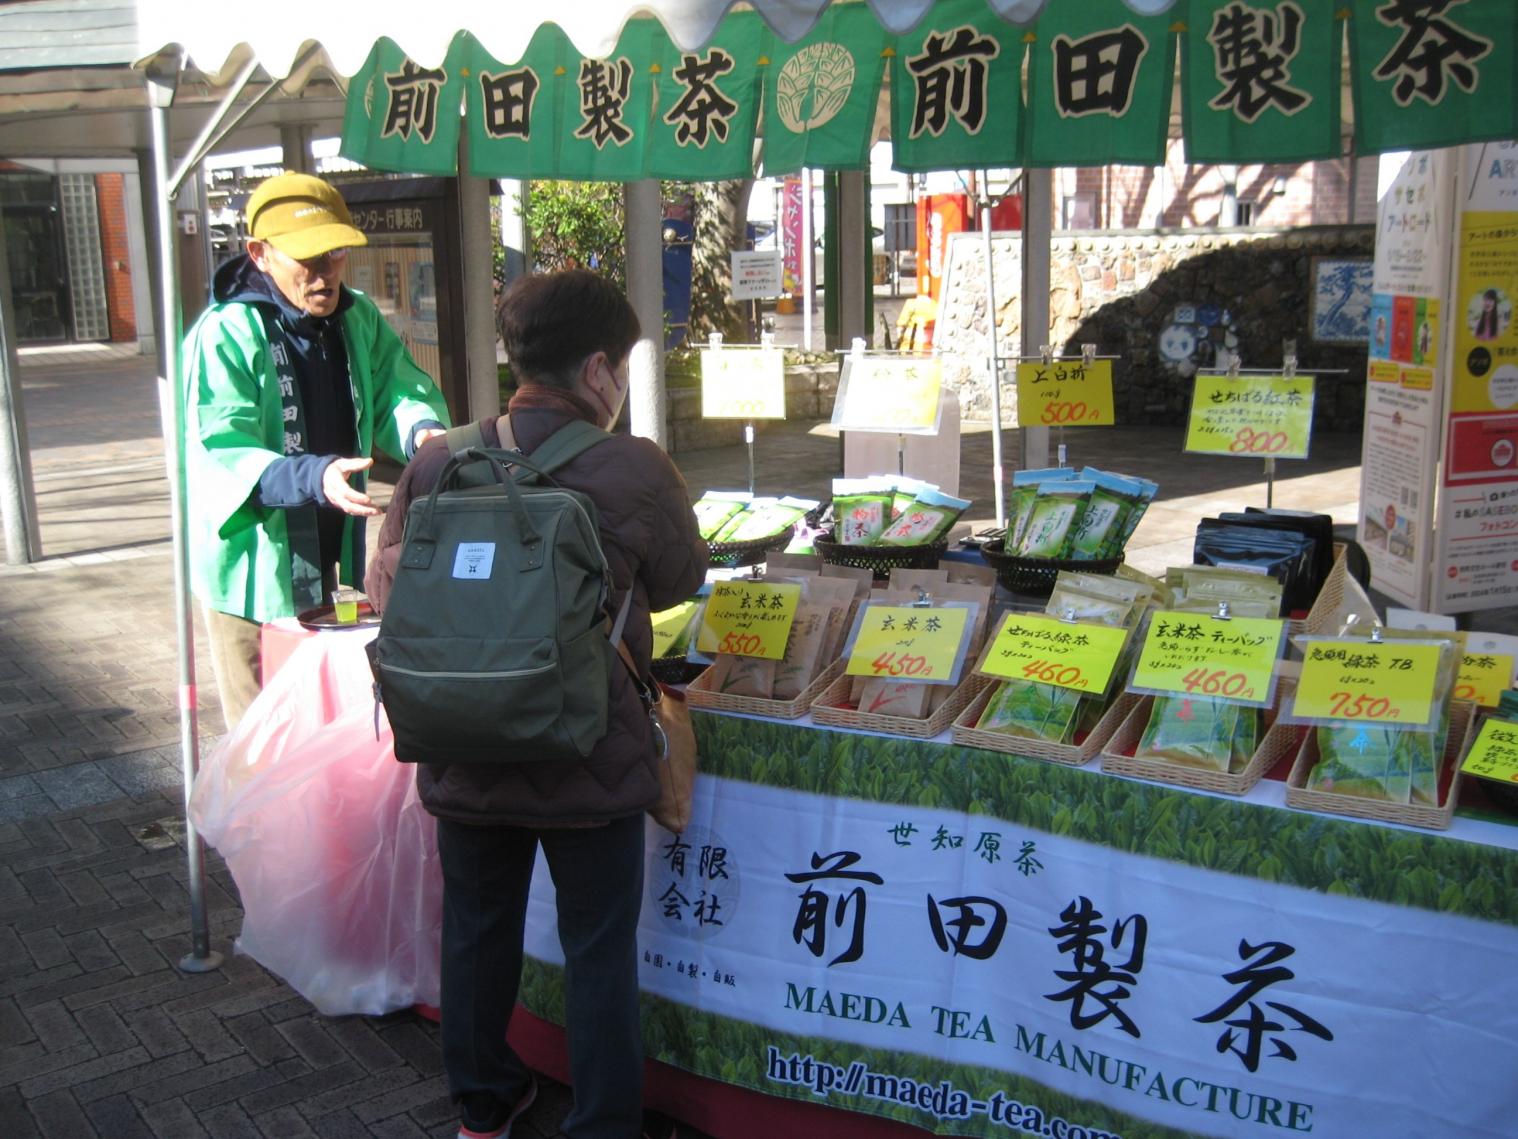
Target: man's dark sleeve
column 295, row 480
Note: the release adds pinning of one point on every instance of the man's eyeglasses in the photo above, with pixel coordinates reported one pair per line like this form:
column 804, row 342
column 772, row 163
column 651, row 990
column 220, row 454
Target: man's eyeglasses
column 319, row 262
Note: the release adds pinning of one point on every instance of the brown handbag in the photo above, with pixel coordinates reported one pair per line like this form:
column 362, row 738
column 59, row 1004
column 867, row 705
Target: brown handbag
column 675, row 747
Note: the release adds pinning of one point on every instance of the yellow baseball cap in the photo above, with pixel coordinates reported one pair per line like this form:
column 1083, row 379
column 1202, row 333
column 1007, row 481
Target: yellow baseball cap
column 301, row 216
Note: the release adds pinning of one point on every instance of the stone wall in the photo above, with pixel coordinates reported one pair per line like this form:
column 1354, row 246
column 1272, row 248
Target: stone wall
column 1139, row 295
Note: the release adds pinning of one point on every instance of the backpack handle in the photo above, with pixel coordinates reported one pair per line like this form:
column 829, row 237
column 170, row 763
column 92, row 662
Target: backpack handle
column 525, row 531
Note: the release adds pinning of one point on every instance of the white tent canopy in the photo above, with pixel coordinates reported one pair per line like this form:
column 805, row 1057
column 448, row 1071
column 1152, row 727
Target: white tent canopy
column 277, row 32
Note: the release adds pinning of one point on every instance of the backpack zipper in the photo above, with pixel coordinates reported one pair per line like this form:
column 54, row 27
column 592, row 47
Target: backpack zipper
column 469, row 675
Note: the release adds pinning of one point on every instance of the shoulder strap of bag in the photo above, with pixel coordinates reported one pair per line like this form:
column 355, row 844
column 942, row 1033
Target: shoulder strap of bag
column 463, row 437
column 565, row 444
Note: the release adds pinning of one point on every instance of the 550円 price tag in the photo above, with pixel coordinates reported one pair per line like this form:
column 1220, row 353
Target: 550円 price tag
column 910, row 642
column 1389, row 683
column 1193, row 654
column 1050, row 651
column 749, row 619
column 1494, row 755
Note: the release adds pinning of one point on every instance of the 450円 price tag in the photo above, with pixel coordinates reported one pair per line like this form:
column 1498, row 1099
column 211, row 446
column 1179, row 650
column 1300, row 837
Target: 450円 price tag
column 1193, row 654
column 1494, row 755
column 909, row 642
column 1390, row 683
column 749, row 619
column 1050, row 651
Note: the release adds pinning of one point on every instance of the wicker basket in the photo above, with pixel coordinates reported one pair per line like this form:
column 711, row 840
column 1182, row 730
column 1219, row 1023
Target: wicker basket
column 881, row 560
column 731, row 555
column 700, row 695
column 1071, row 755
column 1035, row 576
column 829, row 709
column 1279, row 741
column 675, row 670
column 1462, row 719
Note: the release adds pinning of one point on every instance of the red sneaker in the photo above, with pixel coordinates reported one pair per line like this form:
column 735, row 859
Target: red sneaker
column 503, row 1131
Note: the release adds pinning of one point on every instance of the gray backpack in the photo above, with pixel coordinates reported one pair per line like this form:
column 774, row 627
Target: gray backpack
column 493, row 645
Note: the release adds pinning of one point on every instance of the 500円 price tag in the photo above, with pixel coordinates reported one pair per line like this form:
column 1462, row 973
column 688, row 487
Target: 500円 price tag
column 1494, row 755
column 909, row 642
column 1194, row 654
column 1387, row 683
column 748, row 619
column 1051, row 651
column 1065, row 391
column 1483, row 678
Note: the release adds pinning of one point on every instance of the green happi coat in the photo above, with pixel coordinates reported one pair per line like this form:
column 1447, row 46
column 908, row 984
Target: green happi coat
column 241, row 552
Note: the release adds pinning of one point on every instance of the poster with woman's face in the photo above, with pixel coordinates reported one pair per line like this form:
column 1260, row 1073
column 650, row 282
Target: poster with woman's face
column 1488, row 313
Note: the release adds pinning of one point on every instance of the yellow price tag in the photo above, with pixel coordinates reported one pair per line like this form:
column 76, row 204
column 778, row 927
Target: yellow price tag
column 1065, row 392
column 885, row 393
column 1494, row 755
column 749, row 619
column 669, row 624
column 1197, row 655
column 1387, row 683
column 1483, row 678
column 1051, row 651
column 1251, row 417
column 742, row 383
column 906, row 642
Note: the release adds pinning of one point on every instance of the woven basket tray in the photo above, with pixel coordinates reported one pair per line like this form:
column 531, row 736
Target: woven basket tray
column 827, row 709
column 700, row 695
column 1071, row 755
column 1461, row 722
column 881, row 560
column 731, row 555
column 1280, row 740
column 1036, row 576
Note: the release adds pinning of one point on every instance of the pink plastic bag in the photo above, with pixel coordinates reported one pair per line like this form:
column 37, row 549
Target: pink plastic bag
column 333, row 854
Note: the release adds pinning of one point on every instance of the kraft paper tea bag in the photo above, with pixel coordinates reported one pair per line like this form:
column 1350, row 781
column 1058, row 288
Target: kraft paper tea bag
column 798, row 667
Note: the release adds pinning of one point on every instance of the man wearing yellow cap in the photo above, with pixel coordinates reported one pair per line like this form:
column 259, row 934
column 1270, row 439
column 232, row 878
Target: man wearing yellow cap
column 293, row 379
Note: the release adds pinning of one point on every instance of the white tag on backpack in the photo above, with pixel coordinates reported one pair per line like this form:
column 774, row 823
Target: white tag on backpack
column 472, row 560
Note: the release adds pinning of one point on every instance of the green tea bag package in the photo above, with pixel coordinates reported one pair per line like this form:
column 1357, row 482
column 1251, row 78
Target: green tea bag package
column 766, row 517
column 1159, row 591
column 1364, row 761
column 1193, row 731
column 1057, row 509
column 726, row 531
column 716, row 507
column 929, row 517
column 1020, row 502
column 1117, row 539
column 1032, row 711
column 1135, row 593
column 861, row 510
column 1113, row 496
column 904, row 492
column 1246, row 737
column 1071, row 603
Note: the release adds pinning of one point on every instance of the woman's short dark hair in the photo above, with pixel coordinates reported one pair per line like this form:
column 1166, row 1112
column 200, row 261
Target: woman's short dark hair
column 550, row 322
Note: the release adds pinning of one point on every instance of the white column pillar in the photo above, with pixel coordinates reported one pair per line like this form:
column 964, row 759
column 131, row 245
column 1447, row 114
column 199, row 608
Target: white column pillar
column 647, row 401
column 1038, row 208
column 484, row 393
column 18, row 499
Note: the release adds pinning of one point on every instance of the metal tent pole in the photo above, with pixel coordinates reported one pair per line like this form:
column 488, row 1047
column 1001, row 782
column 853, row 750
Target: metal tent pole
column 162, row 79
column 997, row 474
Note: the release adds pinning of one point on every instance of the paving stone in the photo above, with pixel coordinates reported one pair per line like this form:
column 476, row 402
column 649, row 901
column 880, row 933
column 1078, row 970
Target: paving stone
column 284, row 1123
column 229, row 1121
column 129, row 1079
column 16, row 1121
column 59, row 1114
column 55, row 1025
column 117, row 1117
column 82, row 1072
column 173, row 1119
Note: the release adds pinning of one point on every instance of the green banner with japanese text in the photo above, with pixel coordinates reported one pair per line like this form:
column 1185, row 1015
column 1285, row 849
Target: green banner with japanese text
column 1099, row 83
column 1260, row 82
column 707, row 108
column 514, row 111
column 401, row 116
column 820, row 94
column 956, row 91
column 1430, row 73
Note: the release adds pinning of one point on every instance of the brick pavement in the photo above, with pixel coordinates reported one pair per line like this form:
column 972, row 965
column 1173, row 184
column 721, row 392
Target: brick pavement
column 100, row 1033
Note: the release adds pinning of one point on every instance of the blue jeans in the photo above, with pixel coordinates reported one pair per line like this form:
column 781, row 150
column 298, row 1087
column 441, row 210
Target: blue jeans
column 598, row 877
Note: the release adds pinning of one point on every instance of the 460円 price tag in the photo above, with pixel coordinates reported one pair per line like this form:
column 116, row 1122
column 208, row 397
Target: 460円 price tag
column 749, row 619
column 1193, row 654
column 1390, row 683
column 1494, row 755
column 1050, row 651
column 910, row 642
